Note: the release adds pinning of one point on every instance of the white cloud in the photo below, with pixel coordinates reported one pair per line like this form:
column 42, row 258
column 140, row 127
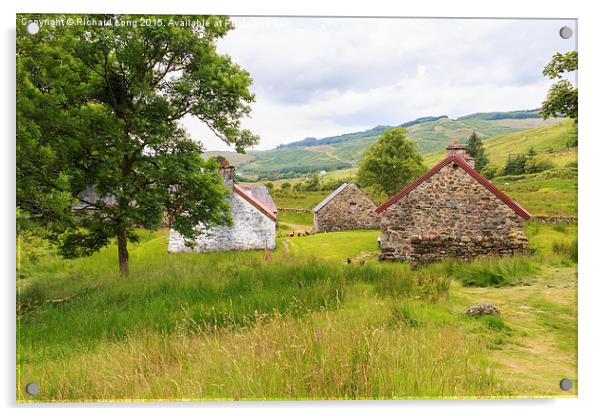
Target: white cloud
column 324, row 76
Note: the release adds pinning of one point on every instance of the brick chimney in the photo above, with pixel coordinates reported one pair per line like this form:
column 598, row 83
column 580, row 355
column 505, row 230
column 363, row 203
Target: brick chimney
column 460, row 150
column 228, row 173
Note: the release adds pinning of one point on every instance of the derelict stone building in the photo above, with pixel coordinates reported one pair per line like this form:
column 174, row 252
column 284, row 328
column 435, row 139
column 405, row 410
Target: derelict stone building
column 451, row 211
column 347, row 208
column 254, row 221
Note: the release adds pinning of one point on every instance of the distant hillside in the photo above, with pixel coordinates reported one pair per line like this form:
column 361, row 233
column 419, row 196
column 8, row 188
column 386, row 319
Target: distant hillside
column 549, row 141
column 503, row 115
column 375, row 131
column 431, row 134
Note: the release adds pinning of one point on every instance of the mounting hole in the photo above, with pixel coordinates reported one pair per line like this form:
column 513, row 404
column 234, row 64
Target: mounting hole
column 32, row 389
column 566, row 384
column 454, row 166
column 32, row 28
column 566, row 32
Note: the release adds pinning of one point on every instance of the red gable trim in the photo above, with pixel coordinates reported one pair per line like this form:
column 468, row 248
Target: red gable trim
column 254, row 202
column 468, row 169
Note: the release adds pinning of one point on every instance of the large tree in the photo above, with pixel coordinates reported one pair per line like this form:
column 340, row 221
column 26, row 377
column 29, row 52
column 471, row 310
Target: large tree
column 101, row 107
column 562, row 96
column 477, row 150
column 391, row 163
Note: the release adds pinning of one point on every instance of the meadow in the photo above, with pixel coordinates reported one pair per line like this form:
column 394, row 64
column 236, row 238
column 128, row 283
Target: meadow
column 305, row 325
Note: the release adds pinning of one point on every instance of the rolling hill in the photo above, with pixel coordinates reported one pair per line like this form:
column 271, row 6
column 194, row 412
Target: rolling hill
column 549, row 141
column 342, row 152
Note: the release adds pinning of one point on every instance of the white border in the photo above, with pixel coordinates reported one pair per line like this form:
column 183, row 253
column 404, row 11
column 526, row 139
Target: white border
column 590, row 140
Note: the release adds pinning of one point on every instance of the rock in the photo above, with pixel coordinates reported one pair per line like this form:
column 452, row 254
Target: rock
column 482, row 309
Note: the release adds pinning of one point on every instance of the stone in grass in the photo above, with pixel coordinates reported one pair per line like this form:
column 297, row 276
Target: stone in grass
column 482, row 309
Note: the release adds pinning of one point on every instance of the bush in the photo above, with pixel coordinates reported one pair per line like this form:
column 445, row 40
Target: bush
column 490, row 171
column 285, row 185
column 536, row 165
column 515, row 165
column 269, row 185
column 332, row 184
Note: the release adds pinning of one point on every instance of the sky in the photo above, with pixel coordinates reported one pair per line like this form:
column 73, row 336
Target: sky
column 318, row 77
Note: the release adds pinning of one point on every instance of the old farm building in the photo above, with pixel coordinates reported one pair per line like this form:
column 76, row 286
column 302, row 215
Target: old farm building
column 347, row 208
column 451, row 211
column 254, row 221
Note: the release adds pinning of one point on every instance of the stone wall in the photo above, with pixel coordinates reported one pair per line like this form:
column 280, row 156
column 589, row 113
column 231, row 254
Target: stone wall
column 349, row 210
column 450, row 215
column 251, row 229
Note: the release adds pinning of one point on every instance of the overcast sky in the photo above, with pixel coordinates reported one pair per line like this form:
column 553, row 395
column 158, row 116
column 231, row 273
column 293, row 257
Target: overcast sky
column 326, row 76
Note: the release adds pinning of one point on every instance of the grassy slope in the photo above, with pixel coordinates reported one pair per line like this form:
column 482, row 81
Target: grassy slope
column 550, row 193
column 230, row 326
column 548, row 141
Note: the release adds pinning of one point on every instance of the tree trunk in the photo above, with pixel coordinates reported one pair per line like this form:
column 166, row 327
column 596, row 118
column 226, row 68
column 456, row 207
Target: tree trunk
column 122, row 246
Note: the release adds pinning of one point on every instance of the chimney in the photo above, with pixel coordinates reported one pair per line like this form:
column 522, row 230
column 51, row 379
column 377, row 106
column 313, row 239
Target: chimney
column 457, row 149
column 227, row 172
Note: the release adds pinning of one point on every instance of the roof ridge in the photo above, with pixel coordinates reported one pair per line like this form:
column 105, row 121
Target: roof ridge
column 468, row 169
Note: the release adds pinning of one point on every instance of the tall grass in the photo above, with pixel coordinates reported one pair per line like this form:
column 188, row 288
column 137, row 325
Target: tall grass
column 324, row 356
column 174, row 292
column 490, row 272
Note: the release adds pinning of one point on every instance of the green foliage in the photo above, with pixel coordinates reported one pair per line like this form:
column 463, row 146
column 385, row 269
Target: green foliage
column 515, row 165
column 285, row 185
column 312, row 183
column 477, row 150
column 490, row 171
column 100, row 107
column 536, row 165
column 269, row 185
column 332, row 184
column 391, row 163
column 562, row 96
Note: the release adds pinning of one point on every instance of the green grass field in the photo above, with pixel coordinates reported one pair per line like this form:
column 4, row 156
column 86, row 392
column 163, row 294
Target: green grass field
column 303, row 326
column 299, row 200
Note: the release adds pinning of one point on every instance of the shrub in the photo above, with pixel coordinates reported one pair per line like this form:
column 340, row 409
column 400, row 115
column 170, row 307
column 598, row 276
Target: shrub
column 285, row 185
column 490, row 171
column 536, row 165
column 515, row 165
column 332, row 184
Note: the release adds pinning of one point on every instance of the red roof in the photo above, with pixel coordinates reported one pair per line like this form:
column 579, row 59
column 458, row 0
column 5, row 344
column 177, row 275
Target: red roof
column 471, row 171
column 265, row 210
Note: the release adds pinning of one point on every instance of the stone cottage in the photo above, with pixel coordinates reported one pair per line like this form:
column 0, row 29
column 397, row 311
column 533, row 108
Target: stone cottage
column 451, row 211
column 253, row 227
column 347, row 208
